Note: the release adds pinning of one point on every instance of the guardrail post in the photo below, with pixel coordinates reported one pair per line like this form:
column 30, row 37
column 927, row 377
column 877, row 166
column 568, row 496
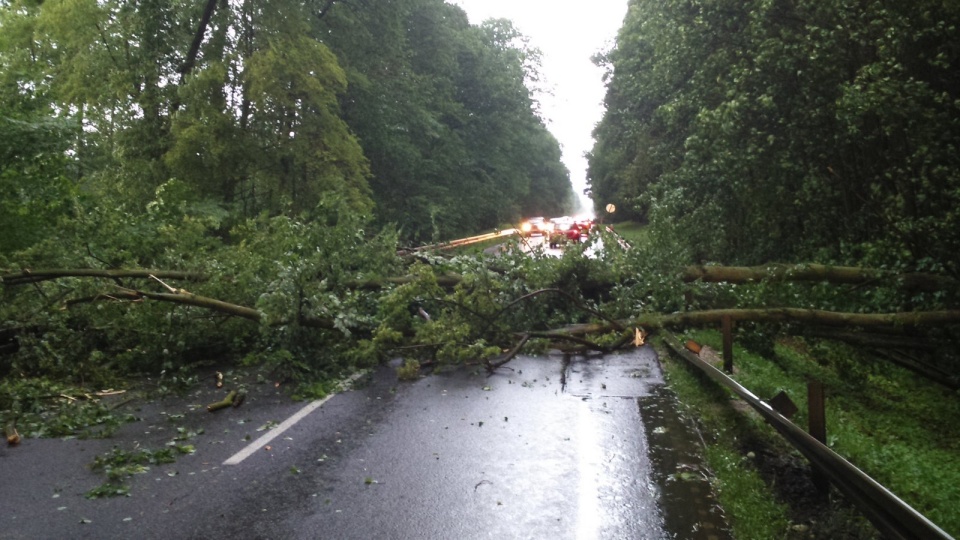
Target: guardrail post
column 892, row 517
column 726, row 324
column 817, row 427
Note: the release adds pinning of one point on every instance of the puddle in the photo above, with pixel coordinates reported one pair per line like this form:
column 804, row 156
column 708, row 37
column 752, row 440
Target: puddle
column 687, row 501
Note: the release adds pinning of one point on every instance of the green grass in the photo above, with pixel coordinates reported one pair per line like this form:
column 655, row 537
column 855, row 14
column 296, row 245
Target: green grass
column 902, row 430
column 745, row 497
column 631, row 231
column 748, row 503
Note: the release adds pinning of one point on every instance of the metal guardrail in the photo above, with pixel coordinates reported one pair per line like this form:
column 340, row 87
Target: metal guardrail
column 894, row 518
column 466, row 241
column 624, row 245
column 494, row 235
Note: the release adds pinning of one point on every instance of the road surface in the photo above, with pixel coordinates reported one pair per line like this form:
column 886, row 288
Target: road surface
column 549, row 447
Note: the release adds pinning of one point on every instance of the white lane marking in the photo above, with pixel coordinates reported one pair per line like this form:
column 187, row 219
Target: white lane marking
column 589, row 455
column 287, row 424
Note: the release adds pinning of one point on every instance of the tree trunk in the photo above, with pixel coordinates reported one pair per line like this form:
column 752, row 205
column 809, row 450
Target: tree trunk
column 34, row 276
column 808, row 316
column 848, row 275
column 236, row 310
column 194, row 50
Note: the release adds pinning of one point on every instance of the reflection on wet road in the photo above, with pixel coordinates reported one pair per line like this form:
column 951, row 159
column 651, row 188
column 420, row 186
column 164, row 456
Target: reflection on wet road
column 514, row 455
column 542, row 244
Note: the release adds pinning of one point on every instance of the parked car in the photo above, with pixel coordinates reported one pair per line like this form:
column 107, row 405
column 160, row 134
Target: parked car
column 568, row 229
column 535, row 226
column 585, row 225
column 565, row 229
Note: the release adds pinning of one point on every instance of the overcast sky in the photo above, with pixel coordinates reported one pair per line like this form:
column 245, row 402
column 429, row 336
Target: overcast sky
column 568, row 34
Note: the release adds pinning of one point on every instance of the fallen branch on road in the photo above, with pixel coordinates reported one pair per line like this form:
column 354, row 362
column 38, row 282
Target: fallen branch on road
column 493, row 365
column 570, row 297
column 234, row 399
column 10, row 432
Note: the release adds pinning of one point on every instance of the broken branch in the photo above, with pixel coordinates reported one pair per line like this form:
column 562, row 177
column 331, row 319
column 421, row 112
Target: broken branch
column 492, row 366
column 190, row 299
column 844, row 275
column 224, row 403
column 161, row 282
column 10, row 431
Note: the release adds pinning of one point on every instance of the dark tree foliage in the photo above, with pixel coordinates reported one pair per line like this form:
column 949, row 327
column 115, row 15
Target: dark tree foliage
column 772, row 130
column 399, row 107
column 443, row 115
column 261, row 144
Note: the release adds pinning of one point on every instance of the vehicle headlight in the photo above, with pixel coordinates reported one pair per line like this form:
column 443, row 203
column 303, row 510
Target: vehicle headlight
column 526, row 227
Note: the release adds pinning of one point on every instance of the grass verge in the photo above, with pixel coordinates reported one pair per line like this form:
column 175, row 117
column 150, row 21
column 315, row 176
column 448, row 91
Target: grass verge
column 750, row 506
column 898, row 428
column 631, row 231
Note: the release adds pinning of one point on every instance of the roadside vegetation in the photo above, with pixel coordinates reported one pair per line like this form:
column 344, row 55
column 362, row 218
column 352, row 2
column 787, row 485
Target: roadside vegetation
column 805, row 133
column 632, row 231
column 875, row 419
column 810, row 131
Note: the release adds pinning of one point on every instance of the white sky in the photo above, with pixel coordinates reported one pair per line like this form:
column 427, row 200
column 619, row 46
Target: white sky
column 568, row 34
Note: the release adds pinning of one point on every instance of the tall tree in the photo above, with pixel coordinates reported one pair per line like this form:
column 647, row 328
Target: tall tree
column 402, row 107
column 775, row 131
column 443, row 114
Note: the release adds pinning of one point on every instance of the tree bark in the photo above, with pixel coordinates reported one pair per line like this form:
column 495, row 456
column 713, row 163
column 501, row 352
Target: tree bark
column 191, row 58
column 848, row 275
column 808, row 316
column 34, row 276
column 236, row 310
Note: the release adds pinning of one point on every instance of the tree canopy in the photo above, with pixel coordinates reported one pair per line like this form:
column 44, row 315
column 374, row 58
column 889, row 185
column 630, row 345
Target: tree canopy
column 283, row 150
column 184, row 184
column 766, row 130
column 402, row 108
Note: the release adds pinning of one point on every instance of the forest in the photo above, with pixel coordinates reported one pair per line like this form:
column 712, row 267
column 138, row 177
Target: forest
column 274, row 152
column 403, row 109
column 230, row 183
column 768, row 130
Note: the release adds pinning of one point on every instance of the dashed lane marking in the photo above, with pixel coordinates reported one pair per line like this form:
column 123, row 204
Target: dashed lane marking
column 251, row 448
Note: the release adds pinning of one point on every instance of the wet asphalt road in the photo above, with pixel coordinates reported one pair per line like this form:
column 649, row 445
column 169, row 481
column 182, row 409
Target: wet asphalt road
column 549, row 447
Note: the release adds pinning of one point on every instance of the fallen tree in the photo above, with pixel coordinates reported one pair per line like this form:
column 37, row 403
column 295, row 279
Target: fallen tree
column 840, row 275
column 35, row 276
column 180, row 296
column 28, row 276
column 807, row 316
column 848, row 275
column 575, row 334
